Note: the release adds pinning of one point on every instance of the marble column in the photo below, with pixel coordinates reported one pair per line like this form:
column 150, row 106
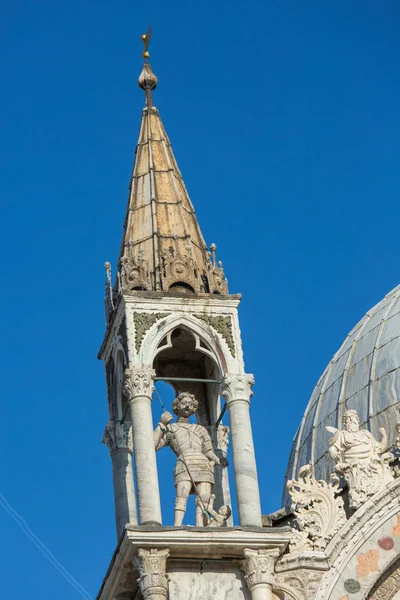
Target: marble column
column 118, row 437
column 259, row 566
column 236, row 390
column 153, row 578
column 138, row 388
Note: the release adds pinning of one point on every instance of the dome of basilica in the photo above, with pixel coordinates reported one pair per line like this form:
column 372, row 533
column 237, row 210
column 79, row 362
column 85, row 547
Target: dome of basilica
column 364, row 375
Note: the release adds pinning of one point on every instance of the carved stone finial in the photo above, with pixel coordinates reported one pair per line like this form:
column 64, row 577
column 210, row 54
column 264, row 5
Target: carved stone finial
column 237, row 387
column 259, row 566
column 118, row 436
column 360, row 459
column 139, row 382
column 108, row 298
column 318, row 509
column 152, row 567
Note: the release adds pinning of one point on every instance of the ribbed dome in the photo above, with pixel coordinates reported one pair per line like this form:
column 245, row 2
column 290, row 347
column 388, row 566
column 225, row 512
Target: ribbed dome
column 364, row 375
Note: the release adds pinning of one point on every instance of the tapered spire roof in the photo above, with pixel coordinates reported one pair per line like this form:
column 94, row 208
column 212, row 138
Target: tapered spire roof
column 163, row 247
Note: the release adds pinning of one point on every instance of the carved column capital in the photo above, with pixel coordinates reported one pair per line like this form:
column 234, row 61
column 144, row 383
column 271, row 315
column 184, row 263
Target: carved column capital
column 259, row 566
column 237, row 388
column 152, row 567
column 118, row 436
column 139, row 381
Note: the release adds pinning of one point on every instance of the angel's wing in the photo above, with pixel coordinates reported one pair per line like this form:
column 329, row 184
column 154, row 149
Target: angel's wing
column 147, row 39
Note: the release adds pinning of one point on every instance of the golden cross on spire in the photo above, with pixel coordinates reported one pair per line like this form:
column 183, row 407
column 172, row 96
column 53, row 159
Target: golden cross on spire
column 146, row 37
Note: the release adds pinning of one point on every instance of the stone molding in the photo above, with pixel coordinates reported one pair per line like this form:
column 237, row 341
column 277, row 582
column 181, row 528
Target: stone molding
column 258, row 566
column 153, row 578
column 387, row 585
column 139, row 381
column 358, row 528
column 118, row 436
column 237, row 388
column 318, row 509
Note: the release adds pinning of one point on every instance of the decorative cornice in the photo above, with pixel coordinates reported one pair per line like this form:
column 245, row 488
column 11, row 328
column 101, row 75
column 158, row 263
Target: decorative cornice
column 223, row 326
column 118, row 436
column 143, row 321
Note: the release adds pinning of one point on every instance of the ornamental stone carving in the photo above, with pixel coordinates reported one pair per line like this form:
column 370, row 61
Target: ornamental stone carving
column 143, row 321
column 237, row 387
column 139, row 382
column 318, row 509
column 152, row 567
column 118, row 436
column 387, row 585
column 360, row 459
column 259, row 566
column 223, row 439
column 300, row 584
column 223, row 326
column 134, row 273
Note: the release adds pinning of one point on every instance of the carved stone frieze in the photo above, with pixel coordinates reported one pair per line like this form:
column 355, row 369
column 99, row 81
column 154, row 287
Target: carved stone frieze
column 360, row 459
column 318, row 509
column 134, row 273
column 222, row 325
column 143, row 321
column 259, row 566
column 237, row 387
column 139, row 382
column 118, row 436
column 387, row 585
column 299, row 584
column 153, row 578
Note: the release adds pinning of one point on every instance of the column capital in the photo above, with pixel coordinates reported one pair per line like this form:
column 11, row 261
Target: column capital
column 139, row 381
column 152, row 567
column 259, row 567
column 237, row 387
column 118, row 436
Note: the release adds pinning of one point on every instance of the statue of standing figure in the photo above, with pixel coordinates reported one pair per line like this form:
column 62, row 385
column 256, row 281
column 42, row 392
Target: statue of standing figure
column 360, row 459
column 194, row 471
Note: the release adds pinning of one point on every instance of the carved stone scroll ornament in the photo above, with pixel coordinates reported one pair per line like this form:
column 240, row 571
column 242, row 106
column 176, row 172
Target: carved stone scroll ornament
column 259, row 566
column 360, row 459
column 299, row 584
column 143, row 321
column 237, row 387
column 318, row 509
column 222, row 325
column 134, row 271
column 153, row 578
column 118, row 436
column 139, row 382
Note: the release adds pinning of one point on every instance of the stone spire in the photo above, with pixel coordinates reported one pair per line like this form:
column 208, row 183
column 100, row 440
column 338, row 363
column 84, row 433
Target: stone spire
column 163, row 248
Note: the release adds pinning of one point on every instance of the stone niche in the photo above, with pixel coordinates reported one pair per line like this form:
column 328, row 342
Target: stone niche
column 206, row 580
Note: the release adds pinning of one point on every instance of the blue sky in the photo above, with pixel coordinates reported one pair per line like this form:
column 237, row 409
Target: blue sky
column 284, row 119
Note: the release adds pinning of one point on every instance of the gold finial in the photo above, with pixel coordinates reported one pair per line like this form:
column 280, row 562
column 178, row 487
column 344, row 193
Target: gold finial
column 146, row 37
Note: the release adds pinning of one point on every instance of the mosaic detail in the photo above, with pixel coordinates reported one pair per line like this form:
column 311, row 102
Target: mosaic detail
column 143, row 322
column 367, row 563
column 223, row 326
column 396, row 528
column 386, row 543
column 352, row 586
